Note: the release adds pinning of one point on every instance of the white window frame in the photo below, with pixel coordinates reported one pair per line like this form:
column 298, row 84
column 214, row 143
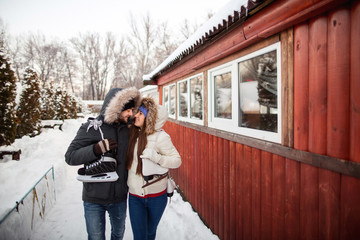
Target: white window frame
column 231, row 125
column 188, row 118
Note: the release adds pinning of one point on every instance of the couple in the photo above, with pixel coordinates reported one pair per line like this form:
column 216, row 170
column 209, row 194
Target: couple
column 110, row 133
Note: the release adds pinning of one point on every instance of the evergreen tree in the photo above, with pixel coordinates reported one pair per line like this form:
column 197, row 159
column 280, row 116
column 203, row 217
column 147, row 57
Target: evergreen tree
column 48, row 102
column 59, row 104
column 73, row 108
column 65, row 99
column 7, row 100
column 29, row 109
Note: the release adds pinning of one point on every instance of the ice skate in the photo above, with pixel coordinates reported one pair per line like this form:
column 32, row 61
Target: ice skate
column 102, row 170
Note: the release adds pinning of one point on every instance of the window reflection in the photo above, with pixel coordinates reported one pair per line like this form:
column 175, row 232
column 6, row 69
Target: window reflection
column 172, row 99
column 166, row 97
column 183, row 99
column 196, row 97
column 222, row 87
column 258, row 92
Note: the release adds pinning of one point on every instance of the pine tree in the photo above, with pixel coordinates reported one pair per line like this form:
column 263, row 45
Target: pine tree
column 59, row 104
column 73, row 108
column 7, row 100
column 48, row 102
column 29, row 109
column 66, row 100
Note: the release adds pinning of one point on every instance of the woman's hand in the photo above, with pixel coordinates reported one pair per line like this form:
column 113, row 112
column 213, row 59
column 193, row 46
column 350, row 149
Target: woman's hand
column 151, row 154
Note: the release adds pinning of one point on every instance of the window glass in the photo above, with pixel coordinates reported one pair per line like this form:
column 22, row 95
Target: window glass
column 172, row 99
column 166, row 97
column 196, row 97
column 183, row 99
column 222, row 98
column 258, row 106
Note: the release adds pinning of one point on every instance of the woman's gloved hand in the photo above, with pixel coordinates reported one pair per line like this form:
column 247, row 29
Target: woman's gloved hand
column 151, row 154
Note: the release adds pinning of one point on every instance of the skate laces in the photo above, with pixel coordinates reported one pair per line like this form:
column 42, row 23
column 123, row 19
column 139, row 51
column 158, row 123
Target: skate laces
column 103, row 165
column 94, row 164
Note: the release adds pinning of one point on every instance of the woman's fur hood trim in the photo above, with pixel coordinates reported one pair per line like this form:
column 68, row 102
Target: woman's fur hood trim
column 156, row 117
column 117, row 102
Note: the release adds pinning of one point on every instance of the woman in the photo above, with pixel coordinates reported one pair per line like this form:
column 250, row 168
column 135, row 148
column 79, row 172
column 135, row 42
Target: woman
column 147, row 141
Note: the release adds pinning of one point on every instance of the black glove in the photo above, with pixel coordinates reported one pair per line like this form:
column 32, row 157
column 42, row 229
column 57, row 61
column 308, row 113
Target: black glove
column 104, row 146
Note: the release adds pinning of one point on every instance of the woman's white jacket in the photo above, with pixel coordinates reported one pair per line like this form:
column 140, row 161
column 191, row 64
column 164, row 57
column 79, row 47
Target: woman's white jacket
column 164, row 154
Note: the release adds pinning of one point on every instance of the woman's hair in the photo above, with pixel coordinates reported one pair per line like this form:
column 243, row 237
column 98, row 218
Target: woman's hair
column 140, row 134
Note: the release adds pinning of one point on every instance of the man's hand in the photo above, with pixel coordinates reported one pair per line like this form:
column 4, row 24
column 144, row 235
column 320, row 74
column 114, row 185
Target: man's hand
column 104, row 146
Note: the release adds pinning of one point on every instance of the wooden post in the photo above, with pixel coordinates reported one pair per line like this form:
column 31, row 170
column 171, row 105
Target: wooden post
column 350, row 187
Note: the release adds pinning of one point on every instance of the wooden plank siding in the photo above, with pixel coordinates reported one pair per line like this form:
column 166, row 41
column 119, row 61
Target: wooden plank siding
column 244, row 192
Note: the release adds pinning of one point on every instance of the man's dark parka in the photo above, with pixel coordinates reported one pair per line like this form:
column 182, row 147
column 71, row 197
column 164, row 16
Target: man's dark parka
column 81, row 151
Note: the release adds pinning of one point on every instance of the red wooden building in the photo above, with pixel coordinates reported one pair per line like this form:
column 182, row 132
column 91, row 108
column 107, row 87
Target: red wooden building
column 264, row 103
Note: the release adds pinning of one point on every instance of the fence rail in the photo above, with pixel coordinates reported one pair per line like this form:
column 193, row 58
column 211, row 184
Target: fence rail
column 18, row 222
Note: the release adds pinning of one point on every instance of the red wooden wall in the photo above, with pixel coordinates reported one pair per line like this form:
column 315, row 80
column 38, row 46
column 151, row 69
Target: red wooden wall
column 246, row 193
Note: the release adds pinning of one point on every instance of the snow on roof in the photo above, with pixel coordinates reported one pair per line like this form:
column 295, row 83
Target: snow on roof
column 148, row 88
column 216, row 20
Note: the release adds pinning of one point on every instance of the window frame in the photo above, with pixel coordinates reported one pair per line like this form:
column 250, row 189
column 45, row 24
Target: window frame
column 167, row 88
column 188, row 118
column 231, row 125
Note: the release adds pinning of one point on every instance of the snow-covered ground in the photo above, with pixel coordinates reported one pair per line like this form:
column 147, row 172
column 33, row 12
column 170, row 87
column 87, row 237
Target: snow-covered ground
column 65, row 219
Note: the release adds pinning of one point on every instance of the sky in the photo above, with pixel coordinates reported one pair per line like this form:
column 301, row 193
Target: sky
column 63, row 211
column 66, row 18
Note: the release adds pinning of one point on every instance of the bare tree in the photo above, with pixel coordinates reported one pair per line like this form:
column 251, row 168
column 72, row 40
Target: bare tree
column 16, row 53
column 97, row 59
column 188, row 28
column 166, row 43
column 42, row 56
column 66, row 68
column 123, row 67
column 142, row 42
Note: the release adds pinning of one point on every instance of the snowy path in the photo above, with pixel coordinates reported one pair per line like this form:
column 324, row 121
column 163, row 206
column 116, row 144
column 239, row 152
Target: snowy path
column 65, row 219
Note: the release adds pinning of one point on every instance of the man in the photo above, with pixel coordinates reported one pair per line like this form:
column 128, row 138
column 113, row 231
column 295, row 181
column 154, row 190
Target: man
column 107, row 134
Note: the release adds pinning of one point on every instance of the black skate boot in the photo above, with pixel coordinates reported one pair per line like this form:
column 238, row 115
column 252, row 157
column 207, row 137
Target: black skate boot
column 102, row 170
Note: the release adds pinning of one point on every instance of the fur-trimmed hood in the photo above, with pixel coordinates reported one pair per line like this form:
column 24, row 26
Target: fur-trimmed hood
column 115, row 101
column 156, row 117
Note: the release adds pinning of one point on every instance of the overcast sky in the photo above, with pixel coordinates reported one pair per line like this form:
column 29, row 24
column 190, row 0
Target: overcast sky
column 66, row 18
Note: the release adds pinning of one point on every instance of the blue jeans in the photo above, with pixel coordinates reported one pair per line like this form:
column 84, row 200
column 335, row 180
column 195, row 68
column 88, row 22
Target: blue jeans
column 145, row 215
column 95, row 220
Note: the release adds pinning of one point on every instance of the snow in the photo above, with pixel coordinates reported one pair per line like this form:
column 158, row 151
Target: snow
column 214, row 21
column 65, row 219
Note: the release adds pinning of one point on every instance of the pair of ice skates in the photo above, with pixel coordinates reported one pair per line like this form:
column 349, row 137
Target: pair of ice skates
column 104, row 170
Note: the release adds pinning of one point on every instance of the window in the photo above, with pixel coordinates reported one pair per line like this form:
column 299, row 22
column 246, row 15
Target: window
column 258, row 92
column 222, row 94
column 172, row 100
column 169, row 99
column 190, row 100
column 166, row 97
column 196, row 98
column 245, row 95
column 183, row 99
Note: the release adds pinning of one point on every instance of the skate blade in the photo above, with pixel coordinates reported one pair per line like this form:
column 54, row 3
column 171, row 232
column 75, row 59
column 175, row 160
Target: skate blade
column 102, row 177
